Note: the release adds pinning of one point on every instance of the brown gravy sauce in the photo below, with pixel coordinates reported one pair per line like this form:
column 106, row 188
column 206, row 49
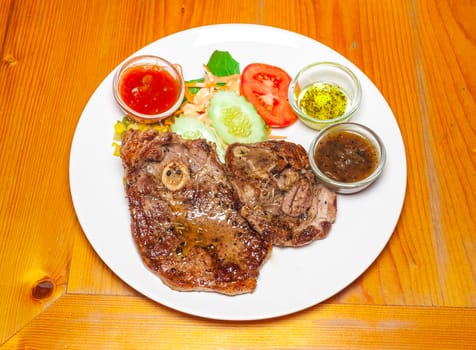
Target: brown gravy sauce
column 346, row 156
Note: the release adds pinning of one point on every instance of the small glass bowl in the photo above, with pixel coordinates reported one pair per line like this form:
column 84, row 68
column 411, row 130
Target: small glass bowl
column 331, row 73
column 366, row 133
column 148, row 61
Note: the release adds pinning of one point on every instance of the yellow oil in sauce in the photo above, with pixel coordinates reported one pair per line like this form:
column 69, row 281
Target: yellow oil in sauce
column 323, row 101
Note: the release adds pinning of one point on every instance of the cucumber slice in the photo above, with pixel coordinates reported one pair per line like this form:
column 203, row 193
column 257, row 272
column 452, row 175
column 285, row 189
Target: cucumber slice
column 235, row 119
column 191, row 128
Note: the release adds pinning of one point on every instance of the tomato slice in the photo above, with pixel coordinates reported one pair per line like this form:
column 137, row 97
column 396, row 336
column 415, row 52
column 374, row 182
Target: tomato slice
column 266, row 87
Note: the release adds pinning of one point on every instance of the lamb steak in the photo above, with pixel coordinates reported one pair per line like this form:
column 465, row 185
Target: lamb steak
column 279, row 193
column 184, row 218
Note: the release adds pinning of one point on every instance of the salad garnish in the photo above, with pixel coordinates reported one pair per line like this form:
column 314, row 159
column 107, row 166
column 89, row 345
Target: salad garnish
column 215, row 101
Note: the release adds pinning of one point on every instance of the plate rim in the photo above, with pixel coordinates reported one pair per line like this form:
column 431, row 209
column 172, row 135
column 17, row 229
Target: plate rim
column 234, row 27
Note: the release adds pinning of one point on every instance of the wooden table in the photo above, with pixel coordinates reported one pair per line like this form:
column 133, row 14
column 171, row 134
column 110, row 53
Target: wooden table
column 56, row 292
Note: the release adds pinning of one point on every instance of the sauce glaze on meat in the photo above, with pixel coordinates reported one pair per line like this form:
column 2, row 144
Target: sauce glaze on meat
column 184, row 217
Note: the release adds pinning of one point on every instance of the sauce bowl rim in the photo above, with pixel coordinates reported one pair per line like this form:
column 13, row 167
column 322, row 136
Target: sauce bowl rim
column 148, row 60
column 326, row 122
column 349, row 187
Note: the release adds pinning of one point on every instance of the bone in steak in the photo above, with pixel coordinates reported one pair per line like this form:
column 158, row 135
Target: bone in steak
column 183, row 215
column 279, row 193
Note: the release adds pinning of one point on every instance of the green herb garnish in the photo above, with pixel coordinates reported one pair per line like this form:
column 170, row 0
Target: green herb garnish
column 222, row 64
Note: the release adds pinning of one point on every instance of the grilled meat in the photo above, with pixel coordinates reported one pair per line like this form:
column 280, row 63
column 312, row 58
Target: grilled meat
column 279, row 193
column 184, row 217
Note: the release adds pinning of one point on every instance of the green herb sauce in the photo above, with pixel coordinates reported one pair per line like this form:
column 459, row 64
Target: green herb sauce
column 323, row 101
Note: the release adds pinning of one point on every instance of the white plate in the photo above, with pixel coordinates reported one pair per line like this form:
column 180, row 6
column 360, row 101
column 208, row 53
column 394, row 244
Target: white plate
column 293, row 279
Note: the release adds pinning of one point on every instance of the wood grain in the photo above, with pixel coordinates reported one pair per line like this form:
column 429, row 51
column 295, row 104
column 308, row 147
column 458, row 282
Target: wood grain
column 37, row 223
column 421, row 289
column 80, row 322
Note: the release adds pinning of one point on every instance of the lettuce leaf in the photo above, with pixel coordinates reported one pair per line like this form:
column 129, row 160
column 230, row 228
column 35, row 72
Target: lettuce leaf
column 222, row 64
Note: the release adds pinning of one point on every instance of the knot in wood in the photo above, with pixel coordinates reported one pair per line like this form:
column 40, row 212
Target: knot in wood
column 43, row 289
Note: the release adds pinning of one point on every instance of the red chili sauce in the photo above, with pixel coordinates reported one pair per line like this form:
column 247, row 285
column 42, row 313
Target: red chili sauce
column 346, row 156
column 149, row 89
